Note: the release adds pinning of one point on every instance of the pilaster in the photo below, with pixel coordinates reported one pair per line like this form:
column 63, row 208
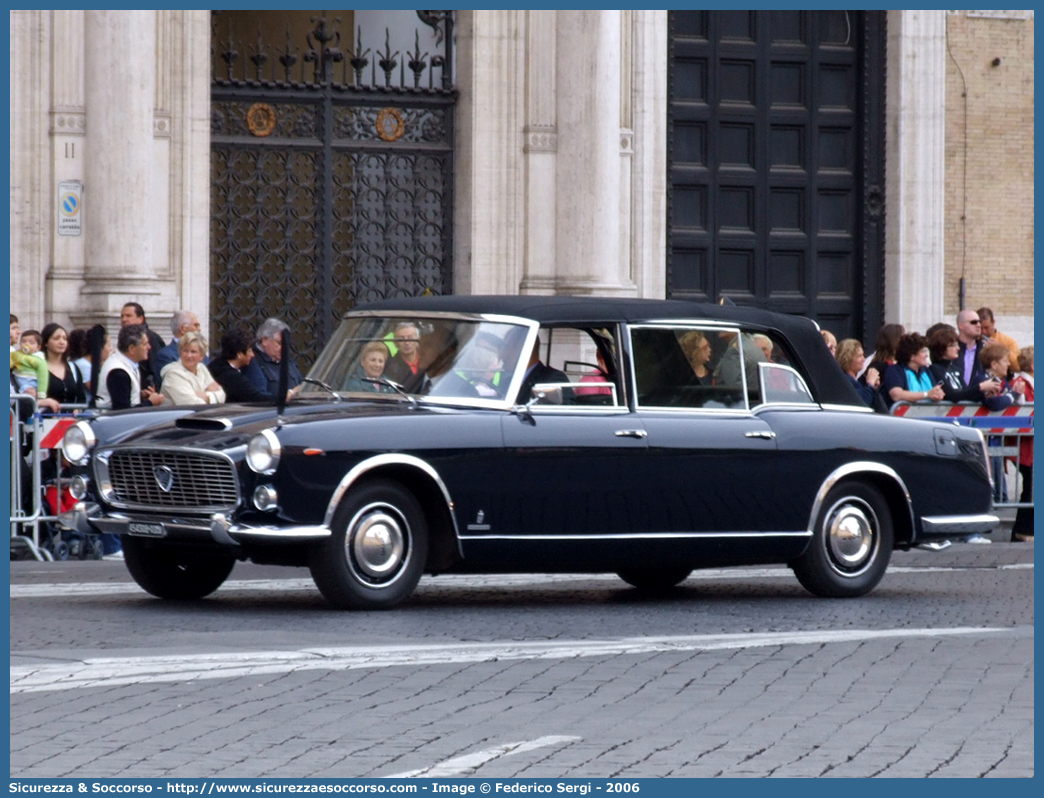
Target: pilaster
column 32, row 195
column 590, row 203
column 488, row 228
column 540, row 150
column 68, row 130
column 648, row 179
column 915, row 171
column 125, row 189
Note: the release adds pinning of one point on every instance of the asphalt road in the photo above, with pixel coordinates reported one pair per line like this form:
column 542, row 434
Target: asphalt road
column 734, row 673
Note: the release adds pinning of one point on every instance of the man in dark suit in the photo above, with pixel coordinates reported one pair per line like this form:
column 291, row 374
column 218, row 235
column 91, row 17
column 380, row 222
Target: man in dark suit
column 538, row 373
column 133, row 313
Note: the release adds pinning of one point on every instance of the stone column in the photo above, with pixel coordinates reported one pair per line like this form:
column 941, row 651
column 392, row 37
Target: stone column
column 590, row 142
column 915, row 172
column 32, row 195
column 190, row 212
column 488, row 220
column 119, row 192
column 648, row 182
column 540, row 148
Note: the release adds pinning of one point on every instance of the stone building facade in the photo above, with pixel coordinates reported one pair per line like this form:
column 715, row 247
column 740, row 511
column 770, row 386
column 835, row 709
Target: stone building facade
column 560, row 160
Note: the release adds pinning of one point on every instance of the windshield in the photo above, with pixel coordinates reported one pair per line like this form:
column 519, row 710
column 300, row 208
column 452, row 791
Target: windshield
column 445, row 358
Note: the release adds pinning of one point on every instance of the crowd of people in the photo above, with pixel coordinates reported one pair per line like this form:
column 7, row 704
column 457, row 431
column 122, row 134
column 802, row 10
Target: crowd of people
column 72, row 370
column 969, row 362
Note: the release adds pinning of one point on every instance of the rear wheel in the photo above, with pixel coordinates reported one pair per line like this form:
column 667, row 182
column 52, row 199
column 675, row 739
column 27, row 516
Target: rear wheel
column 654, row 578
column 851, row 543
column 376, row 554
column 173, row 573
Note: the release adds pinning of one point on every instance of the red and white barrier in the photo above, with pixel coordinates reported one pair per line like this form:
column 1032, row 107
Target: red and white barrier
column 1014, row 420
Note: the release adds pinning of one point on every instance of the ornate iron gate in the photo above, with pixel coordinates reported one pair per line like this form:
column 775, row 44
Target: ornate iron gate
column 331, row 178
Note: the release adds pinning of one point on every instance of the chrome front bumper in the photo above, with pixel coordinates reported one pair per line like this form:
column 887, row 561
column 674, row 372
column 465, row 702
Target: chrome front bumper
column 217, row 528
column 941, row 526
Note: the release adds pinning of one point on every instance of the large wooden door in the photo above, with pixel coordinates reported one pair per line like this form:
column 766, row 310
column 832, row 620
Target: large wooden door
column 776, row 162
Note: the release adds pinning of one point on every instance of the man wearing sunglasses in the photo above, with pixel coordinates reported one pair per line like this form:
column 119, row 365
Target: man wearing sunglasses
column 966, row 380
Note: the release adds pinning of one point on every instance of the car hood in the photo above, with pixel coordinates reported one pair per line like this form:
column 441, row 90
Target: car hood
column 232, row 425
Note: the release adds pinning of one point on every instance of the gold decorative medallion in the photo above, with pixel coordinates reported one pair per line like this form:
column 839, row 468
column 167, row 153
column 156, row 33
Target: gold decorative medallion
column 261, row 119
column 389, row 124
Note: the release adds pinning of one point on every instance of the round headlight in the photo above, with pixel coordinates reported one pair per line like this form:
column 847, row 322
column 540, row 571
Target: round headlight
column 78, row 442
column 263, row 452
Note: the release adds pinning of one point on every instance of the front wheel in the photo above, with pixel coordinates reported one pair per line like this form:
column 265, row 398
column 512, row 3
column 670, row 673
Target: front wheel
column 172, row 573
column 653, row 579
column 376, row 554
column 851, row 543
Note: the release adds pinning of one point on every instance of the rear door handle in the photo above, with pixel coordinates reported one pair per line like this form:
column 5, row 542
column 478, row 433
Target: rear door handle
column 759, row 434
column 630, row 433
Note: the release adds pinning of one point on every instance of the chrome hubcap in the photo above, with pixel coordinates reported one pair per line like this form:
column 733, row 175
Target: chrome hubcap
column 851, row 536
column 376, row 543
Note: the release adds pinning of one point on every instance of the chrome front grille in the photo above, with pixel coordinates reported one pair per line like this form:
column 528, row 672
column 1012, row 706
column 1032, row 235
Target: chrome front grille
column 164, row 479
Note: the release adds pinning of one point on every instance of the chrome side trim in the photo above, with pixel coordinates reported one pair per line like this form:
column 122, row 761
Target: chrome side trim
column 847, row 408
column 959, row 524
column 496, row 318
column 851, row 469
column 709, row 412
column 645, row 536
column 587, row 410
column 383, row 460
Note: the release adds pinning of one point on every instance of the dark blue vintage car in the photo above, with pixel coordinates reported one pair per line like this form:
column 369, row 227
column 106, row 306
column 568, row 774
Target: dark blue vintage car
column 535, row 434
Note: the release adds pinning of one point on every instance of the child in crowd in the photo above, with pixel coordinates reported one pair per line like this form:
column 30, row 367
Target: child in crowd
column 30, row 344
column 997, row 362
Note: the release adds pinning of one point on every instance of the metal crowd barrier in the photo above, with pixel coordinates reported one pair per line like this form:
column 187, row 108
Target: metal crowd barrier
column 1005, row 432
column 32, row 435
column 25, row 465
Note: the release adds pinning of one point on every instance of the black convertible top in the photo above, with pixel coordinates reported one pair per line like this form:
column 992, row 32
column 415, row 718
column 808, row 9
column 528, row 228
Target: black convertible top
column 829, row 383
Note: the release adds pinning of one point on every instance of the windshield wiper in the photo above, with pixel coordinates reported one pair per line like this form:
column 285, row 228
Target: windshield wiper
column 394, row 386
column 324, row 386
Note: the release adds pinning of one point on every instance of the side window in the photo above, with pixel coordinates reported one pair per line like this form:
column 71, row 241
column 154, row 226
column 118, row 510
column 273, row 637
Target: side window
column 582, row 363
column 694, row 367
column 781, row 384
column 778, row 379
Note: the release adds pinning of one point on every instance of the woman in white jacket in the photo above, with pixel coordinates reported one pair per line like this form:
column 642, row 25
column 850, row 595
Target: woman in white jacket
column 187, row 381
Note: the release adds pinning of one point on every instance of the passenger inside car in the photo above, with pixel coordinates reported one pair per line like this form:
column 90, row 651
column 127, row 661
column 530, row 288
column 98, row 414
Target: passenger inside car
column 537, row 372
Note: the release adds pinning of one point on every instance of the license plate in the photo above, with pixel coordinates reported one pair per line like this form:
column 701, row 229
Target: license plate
column 146, row 530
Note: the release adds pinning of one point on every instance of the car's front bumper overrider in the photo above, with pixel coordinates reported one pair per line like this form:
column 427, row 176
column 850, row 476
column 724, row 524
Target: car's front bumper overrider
column 951, row 526
column 217, row 528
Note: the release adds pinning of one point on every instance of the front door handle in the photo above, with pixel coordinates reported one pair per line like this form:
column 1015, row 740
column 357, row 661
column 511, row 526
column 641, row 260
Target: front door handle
column 630, row 433
column 760, row 434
